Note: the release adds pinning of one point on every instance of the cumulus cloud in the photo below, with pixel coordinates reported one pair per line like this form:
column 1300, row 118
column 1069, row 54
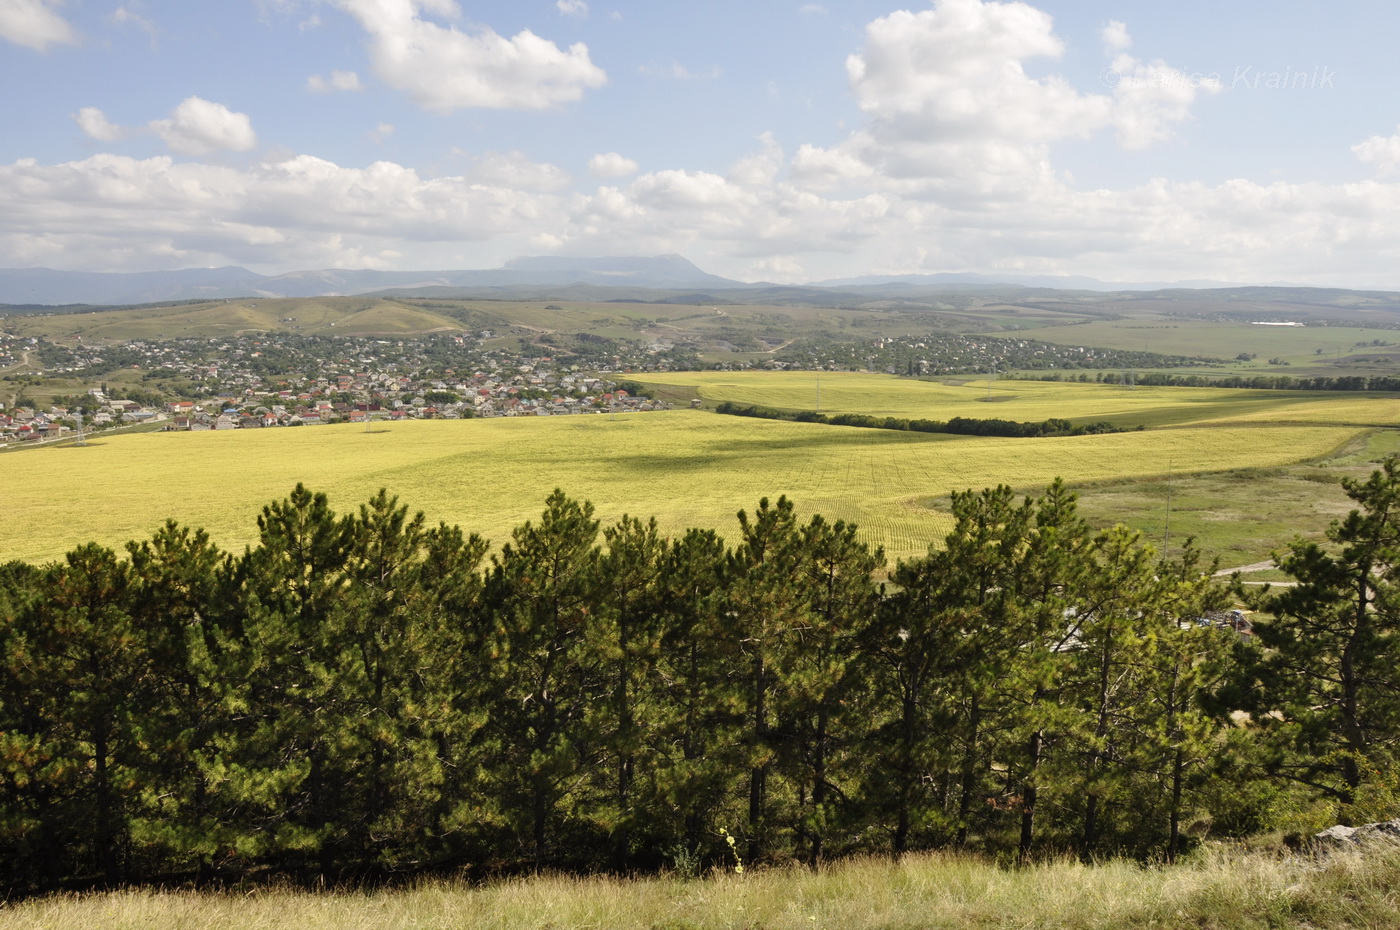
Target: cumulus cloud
column 953, row 114
column 950, row 169
column 761, row 168
column 515, row 171
column 1151, row 97
column 572, row 7
column 1115, row 37
column 957, row 72
column 611, row 165
column 339, row 80
column 1383, row 152
column 111, row 211
column 199, row 127
column 444, row 69
column 812, row 9
column 95, row 124
column 34, row 24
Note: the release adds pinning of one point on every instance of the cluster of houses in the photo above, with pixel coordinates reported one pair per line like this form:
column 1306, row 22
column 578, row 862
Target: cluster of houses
column 186, row 415
column 23, row 424
column 362, row 397
column 263, row 381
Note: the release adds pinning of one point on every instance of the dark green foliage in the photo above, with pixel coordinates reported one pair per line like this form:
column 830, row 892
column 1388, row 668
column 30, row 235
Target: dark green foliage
column 963, row 426
column 363, row 695
column 1329, row 674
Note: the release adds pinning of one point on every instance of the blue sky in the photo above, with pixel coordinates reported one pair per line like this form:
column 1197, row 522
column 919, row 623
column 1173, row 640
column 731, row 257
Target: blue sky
column 784, row 141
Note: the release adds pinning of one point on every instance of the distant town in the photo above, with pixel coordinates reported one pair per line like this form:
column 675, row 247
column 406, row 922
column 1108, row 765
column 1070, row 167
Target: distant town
column 262, row 380
column 279, row 381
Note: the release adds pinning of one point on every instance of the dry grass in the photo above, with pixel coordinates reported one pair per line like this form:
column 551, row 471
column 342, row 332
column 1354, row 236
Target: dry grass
column 1218, row 890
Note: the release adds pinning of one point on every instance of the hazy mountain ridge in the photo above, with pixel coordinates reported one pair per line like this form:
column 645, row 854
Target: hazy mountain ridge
column 50, row 287
column 658, row 279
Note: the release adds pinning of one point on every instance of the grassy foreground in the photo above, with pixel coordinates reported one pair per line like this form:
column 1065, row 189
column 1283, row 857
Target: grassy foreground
column 1220, row 890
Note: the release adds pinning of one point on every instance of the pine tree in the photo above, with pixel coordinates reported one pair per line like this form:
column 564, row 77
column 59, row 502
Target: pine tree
column 543, row 592
column 288, row 758
column 821, row 668
column 765, row 597
column 1329, row 672
column 177, row 601
column 974, row 608
column 453, row 796
column 699, row 736
column 79, row 656
column 626, row 636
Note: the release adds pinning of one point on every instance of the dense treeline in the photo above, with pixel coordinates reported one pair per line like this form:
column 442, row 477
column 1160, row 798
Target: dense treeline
column 361, row 695
column 1254, row 382
column 962, row 426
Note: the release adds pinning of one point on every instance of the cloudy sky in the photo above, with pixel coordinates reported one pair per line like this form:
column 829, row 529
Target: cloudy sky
column 1248, row 140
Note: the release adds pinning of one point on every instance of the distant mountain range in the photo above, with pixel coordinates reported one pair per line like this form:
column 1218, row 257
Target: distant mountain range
column 521, row 278
column 1055, row 282
column 47, row 287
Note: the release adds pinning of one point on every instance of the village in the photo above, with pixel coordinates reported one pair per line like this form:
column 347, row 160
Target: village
column 252, row 384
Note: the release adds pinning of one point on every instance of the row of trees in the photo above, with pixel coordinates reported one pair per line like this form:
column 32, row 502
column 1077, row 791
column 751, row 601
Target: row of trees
column 1265, row 382
column 962, row 426
column 367, row 694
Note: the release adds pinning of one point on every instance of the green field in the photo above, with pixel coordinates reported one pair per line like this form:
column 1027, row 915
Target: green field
column 689, row 468
column 880, row 395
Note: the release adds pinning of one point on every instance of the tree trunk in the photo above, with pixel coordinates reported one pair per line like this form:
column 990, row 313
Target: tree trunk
column 1029, row 796
column 758, row 776
column 819, row 790
column 969, row 771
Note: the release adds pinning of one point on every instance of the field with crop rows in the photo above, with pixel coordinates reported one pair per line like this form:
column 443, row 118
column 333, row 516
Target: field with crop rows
column 1214, row 338
column 881, row 395
column 688, row 468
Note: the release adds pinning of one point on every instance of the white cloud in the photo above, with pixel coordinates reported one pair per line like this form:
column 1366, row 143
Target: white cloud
column 513, row 170
column 444, row 69
column 34, row 24
column 611, row 165
column 760, row 169
column 819, row 167
column 339, row 80
column 95, row 124
column 1152, row 96
column 199, row 127
column 950, row 169
column 114, row 212
column 1383, row 152
column 572, row 7
column 680, row 72
column 1115, row 37
column 956, row 72
column 953, row 114
column 382, row 132
column 122, row 16
column 812, row 9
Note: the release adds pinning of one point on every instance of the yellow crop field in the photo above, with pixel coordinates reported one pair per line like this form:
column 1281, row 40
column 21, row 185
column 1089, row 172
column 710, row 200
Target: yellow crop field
column 882, row 395
column 688, row 468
